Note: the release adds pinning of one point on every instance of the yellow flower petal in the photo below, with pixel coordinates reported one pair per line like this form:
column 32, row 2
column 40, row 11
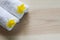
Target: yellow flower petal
column 11, row 23
column 21, row 8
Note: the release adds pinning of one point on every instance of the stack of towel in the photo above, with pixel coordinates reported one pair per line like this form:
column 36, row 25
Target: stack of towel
column 11, row 11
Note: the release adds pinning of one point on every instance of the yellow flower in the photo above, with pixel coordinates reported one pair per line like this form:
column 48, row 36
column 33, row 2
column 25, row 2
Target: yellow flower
column 11, row 23
column 21, row 8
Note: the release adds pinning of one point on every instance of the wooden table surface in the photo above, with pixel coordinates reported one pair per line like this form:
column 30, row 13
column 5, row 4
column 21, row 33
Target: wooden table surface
column 42, row 22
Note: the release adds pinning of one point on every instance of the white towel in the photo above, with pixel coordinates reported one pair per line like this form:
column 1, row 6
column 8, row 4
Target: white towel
column 12, row 6
column 7, row 20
